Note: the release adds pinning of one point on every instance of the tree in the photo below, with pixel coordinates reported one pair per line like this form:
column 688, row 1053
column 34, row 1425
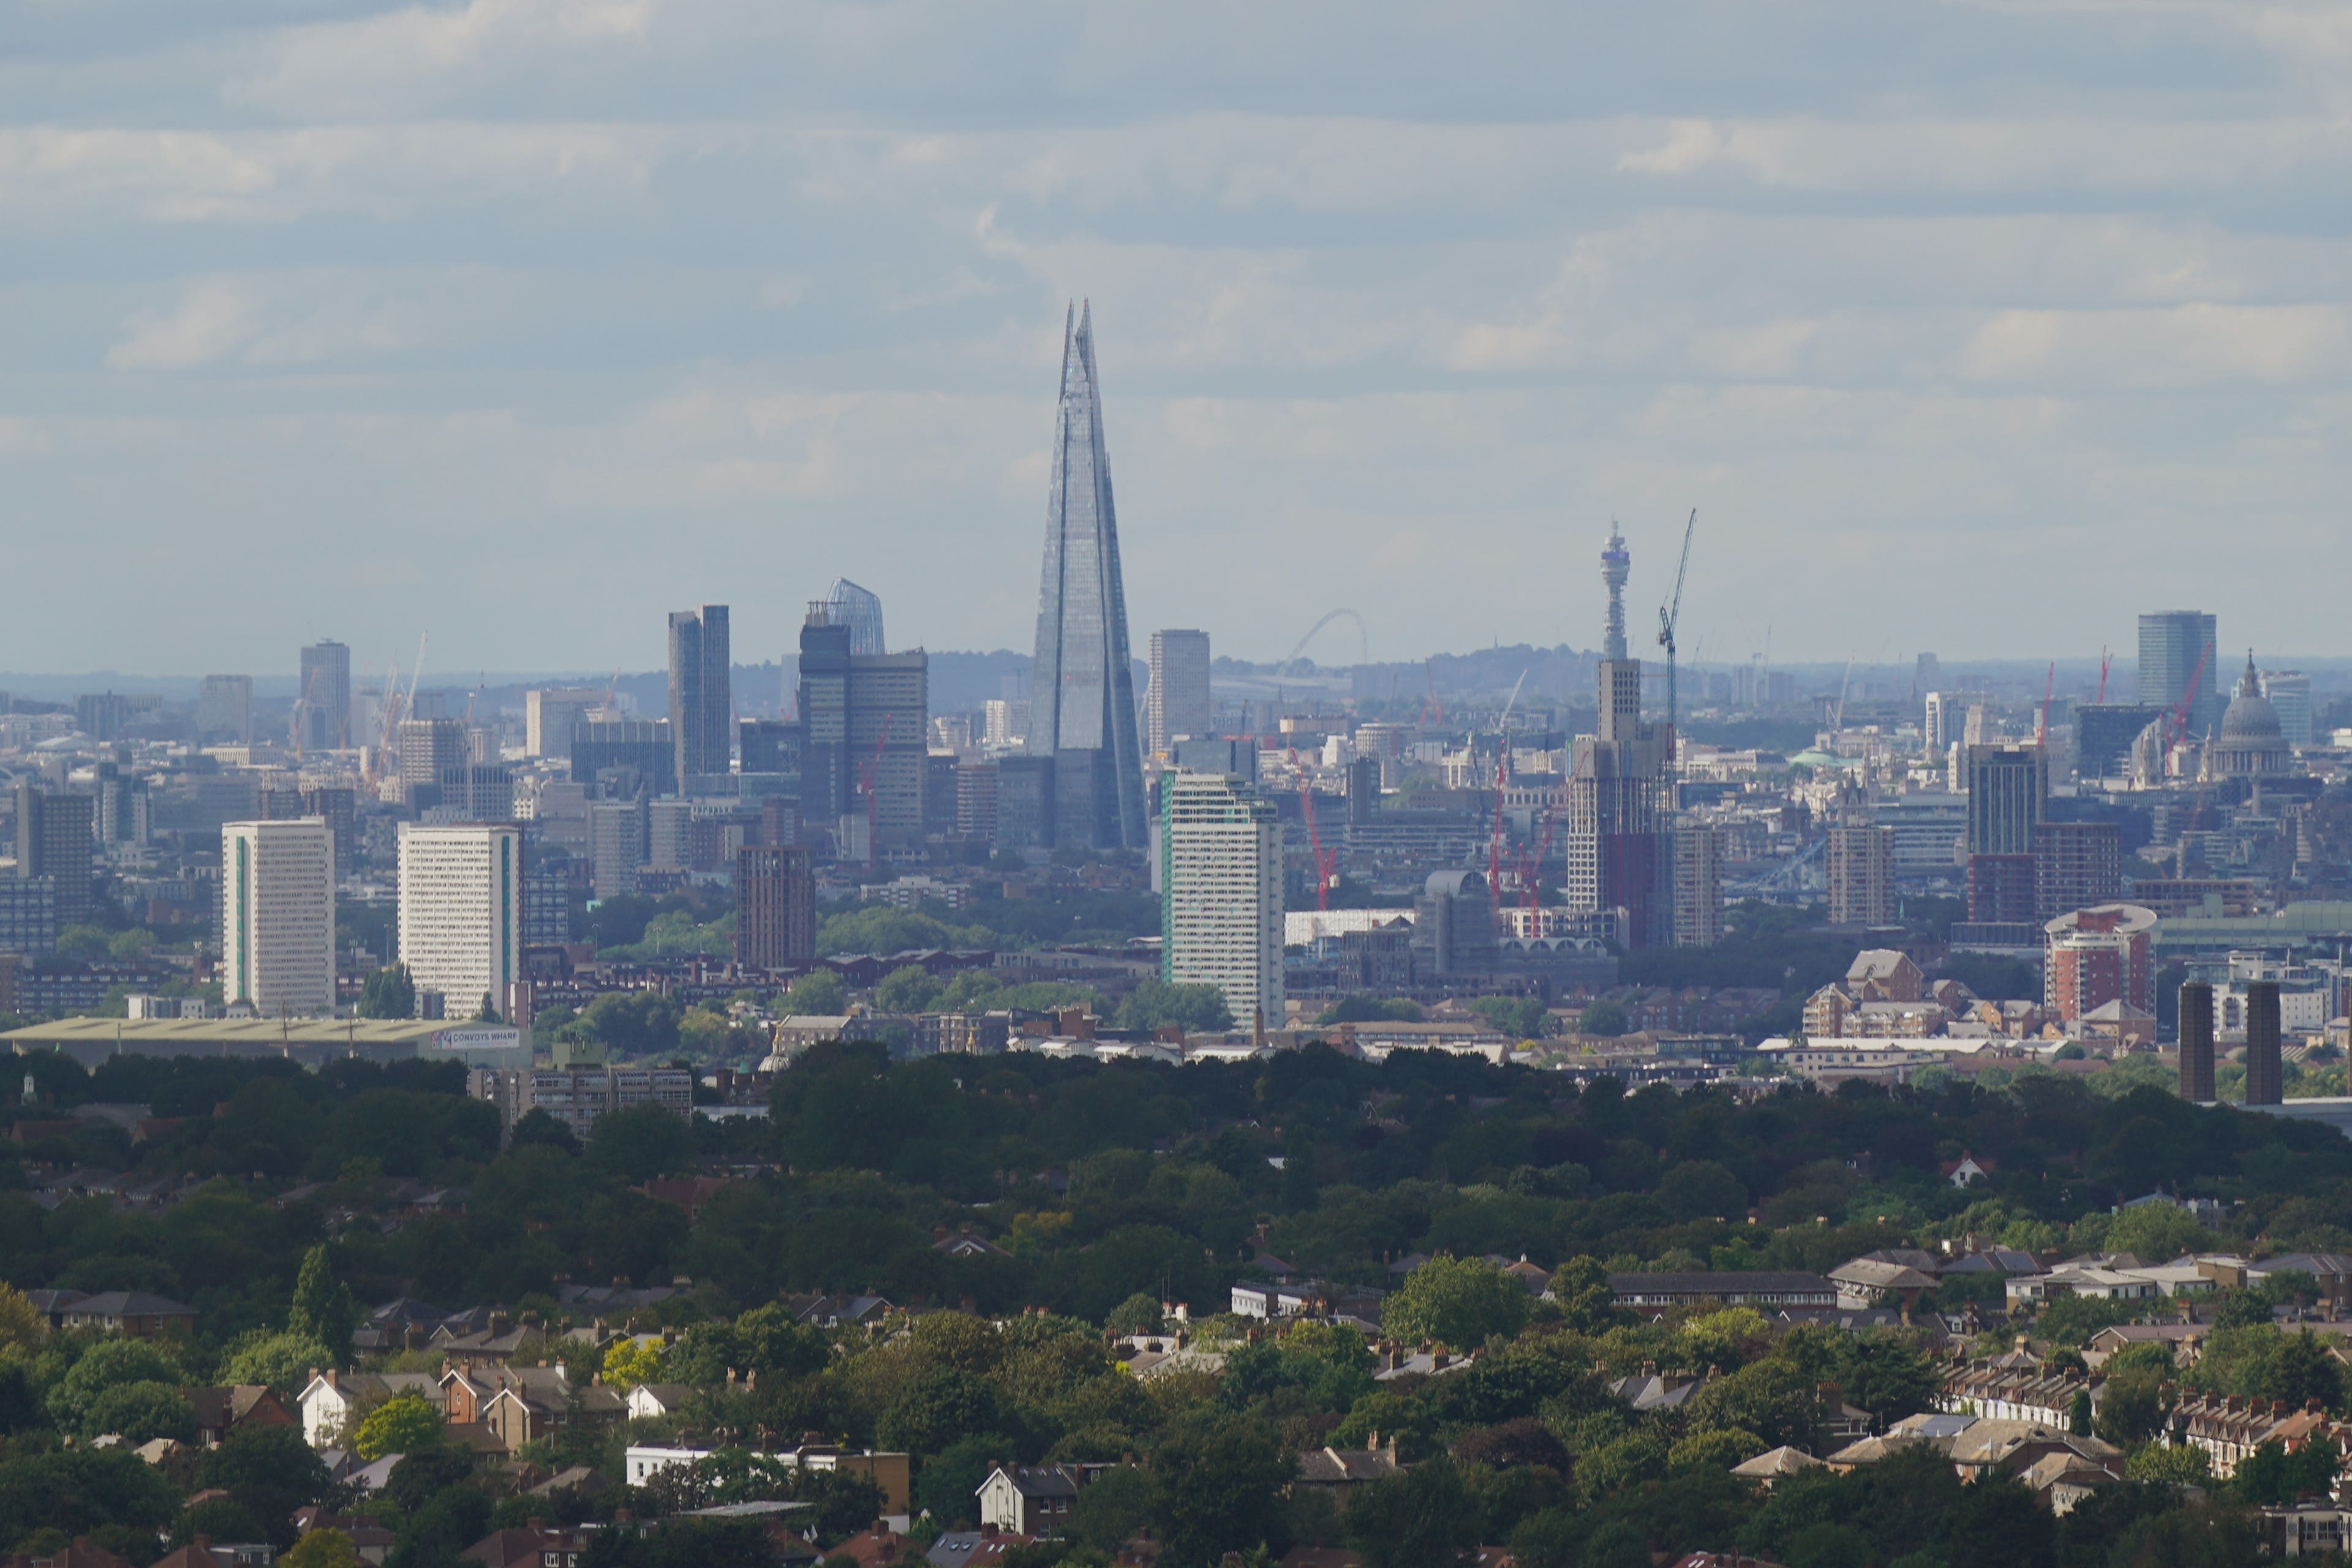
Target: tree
column 1456, row 1301
column 1420, row 1519
column 936, row 1409
column 110, row 1363
column 640, row 1142
column 487, row 1013
column 1139, row 1314
column 22, row 1324
column 907, row 989
column 284, row 1361
column 1702, row 1189
column 819, row 993
column 1603, row 1018
column 320, row 1549
column 2272, row 1475
column 1111, row 1509
column 389, row 993
column 322, row 1309
column 2301, row 1370
column 137, row 1412
column 2131, row 1407
column 536, row 1126
column 1220, row 1477
column 401, row 1425
column 270, row 1470
column 1196, row 1009
column 632, row 1361
column 2185, row 1466
column 1524, row 1017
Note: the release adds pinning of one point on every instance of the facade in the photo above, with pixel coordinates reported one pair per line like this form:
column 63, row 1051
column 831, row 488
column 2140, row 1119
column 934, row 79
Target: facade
column 1178, row 701
column 701, row 701
column 1453, row 927
column 2265, row 1082
column 2197, row 1042
column 322, row 712
column 576, row 1097
column 477, row 791
column 2177, row 654
column 1698, row 885
column 55, row 838
column 2289, row 692
column 1221, row 900
column 775, row 906
column 430, row 748
column 863, row 719
column 550, row 714
column 461, row 912
column 1082, row 702
column 2008, row 789
column 861, row 611
column 769, row 746
column 1860, row 876
column 619, row 838
column 2095, row 956
column 641, row 745
column 2104, row 733
column 28, row 917
column 225, row 709
column 2076, row 865
column 278, row 916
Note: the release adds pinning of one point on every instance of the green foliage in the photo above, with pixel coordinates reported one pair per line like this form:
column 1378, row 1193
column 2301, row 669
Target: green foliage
column 2185, row 1466
column 639, row 1143
column 136, row 1412
column 632, row 1024
column 389, row 993
column 819, row 993
column 907, row 989
column 323, row 1311
column 1425, row 1515
column 1112, row 1508
column 2158, row 1233
column 283, row 1361
column 1192, row 1008
column 1361, row 1009
column 1219, row 1476
column 1139, row 1314
column 1456, row 1301
column 109, row 1363
column 270, row 1470
column 401, row 1425
column 2072, row 1320
column 78, row 1491
column 1521, row 1018
column 2272, row 1475
column 1602, row 1018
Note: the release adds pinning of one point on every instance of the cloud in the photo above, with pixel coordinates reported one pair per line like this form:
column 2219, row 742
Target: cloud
column 211, row 320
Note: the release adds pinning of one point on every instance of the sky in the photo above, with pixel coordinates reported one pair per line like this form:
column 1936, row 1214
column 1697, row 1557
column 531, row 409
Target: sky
column 1976, row 328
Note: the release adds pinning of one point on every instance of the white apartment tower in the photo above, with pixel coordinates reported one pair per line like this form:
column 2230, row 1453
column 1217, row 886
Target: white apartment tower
column 278, row 916
column 1221, row 892
column 1179, row 703
column 461, row 912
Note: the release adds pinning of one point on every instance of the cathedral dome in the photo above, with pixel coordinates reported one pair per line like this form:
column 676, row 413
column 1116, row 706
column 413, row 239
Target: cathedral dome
column 2251, row 721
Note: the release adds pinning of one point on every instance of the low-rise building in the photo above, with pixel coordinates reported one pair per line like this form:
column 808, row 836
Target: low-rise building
column 1762, row 1288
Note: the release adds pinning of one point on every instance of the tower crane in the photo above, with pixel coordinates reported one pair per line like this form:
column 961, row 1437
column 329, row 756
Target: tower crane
column 1670, row 613
column 1325, row 860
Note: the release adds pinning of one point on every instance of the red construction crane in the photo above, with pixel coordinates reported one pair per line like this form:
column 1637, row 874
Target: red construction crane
column 870, row 775
column 2189, row 699
column 1494, row 843
column 2106, row 658
column 1534, row 879
column 1325, row 860
column 1433, row 710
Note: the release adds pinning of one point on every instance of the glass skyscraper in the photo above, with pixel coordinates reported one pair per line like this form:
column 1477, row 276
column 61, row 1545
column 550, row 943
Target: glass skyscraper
column 2176, row 648
column 859, row 609
column 1082, row 705
column 701, row 707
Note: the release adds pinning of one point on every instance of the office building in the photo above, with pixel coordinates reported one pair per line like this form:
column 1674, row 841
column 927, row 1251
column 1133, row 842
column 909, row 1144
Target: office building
column 546, row 893
column 2104, row 733
column 640, row 747
column 28, row 917
column 1024, row 803
column 1936, row 731
column 55, row 837
column 2076, row 865
column 104, row 716
column 225, row 709
column 2197, row 1042
column 769, row 746
column 618, row 835
column 2289, row 691
column 1178, row 704
column 1453, row 932
column 2008, row 789
column 775, row 906
column 861, row 611
column 1861, row 868
column 1221, row 899
column 322, row 704
column 2265, row 1080
column 1698, row 857
column 428, row 749
column 577, row 1096
column 478, row 792
column 550, row 714
column 975, row 806
column 337, row 804
column 2176, row 655
column 1004, row 724
column 461, row 913
column 121, row 804
column 1082, row 690
column 864, row 719
column 1618, row 786
column 278, row 917
column 669, row 835
column 2093, row 957
column 701, row 699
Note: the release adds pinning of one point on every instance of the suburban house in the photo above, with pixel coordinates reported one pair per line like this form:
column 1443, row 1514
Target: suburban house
column 1030, row 1500
column 332, row 1400
column 1870, row 1282
column 531, row 1402
column 1337, row 1472
column 135, row 1314
column 221, row 1410
column 534, row 1546
column 648, row 1401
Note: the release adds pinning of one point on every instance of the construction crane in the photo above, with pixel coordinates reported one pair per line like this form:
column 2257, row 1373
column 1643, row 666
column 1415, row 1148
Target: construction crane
column 2049, row 685
column 1433, row 710
column 2188, row 700
column 2106, row 658
column 1325, row 860
column 1670, row 613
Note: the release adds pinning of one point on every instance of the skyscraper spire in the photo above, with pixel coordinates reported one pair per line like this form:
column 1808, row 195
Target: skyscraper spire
column 1616, row 564
column 1082, row 687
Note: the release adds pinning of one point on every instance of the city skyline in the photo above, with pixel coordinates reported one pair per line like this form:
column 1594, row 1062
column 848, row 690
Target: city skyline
column 473, row 285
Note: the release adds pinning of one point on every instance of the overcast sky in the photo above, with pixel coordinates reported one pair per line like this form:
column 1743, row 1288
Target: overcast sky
column 1977, row 328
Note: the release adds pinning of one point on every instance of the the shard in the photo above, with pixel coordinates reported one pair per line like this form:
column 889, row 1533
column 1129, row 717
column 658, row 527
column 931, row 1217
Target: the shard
column 1081, row 692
